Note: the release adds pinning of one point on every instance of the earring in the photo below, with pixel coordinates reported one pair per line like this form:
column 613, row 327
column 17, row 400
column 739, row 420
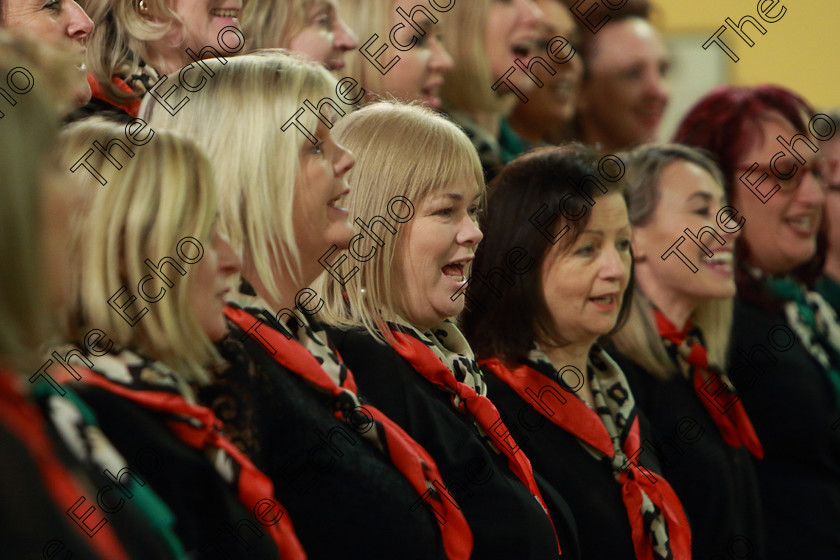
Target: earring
column 143, row 8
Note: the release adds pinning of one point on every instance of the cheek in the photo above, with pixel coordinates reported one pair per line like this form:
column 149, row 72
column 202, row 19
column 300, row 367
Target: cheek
column 313, row 43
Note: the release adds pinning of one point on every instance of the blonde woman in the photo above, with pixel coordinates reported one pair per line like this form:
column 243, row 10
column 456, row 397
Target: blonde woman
column 46, row 476
column 311, row 27
column 674, row 344
column 147, row 286
column 492, row 35
column 288, row 400
column 419, row 73
column 394, row 328
column 135, row 42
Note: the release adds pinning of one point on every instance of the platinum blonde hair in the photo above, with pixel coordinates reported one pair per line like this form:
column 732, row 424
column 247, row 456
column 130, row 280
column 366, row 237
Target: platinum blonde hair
column 238, row 119
column 639, row 338
column 165, row 192
column 401, row 151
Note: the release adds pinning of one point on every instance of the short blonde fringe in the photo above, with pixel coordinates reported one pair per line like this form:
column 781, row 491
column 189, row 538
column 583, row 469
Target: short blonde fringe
column 401, row 150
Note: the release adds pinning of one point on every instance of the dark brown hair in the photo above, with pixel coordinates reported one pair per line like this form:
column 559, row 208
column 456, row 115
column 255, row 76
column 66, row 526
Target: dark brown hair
column 506, row 312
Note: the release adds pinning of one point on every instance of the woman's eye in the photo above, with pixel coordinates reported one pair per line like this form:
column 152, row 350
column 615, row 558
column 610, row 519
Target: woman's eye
column 317, row 149
column 586, row 250
column 475, row 211
column 54, row 5
column 632, row 74
column 324, row 20
column 703, row 211
column 445, row 212
column 623, row 245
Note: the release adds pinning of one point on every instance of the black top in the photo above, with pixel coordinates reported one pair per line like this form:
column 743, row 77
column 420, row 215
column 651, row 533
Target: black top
column 789, row 399
column 715, row 482
column 344, row 496
column 34, row 527
column 506, row 520
column 587, row 484
column 208, row 513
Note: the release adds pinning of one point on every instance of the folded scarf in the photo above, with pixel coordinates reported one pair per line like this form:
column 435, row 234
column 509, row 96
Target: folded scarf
column 687, row 350
column 443, row 356
column 610, row 433
column 300, row 347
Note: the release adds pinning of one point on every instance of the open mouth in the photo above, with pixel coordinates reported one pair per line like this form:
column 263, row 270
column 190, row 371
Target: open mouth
column 722, row 261
column 225, row 12
column 522, row 49
column 606, row 302
column 333, row 202
column 804, row 225
column 430, row 94
column 457, row 270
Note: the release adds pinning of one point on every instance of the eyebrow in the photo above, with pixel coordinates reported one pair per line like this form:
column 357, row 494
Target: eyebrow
column 702, row 194
column 601, row 232
column 456, row 196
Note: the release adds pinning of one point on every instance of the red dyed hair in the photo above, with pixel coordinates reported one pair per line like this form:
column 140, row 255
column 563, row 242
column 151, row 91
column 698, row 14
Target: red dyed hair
column 726, row 123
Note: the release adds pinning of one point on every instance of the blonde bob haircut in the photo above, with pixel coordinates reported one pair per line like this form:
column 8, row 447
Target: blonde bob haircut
column 269, row 24
column 401, row 151
column 121, row 37
column 27, row 131
column 238, row 119
column 468, row 86
column 639, row 338
column 166, row 192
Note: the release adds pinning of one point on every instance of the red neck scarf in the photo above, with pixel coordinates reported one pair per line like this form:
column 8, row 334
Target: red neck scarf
column 639, row 487
column 430, row 366
column 411, row 459
column 23, row 420
column 98, row 92
column 199, row 428
column 715, row 392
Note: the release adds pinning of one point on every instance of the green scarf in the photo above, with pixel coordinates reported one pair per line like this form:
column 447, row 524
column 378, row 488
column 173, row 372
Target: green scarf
column 815, row 322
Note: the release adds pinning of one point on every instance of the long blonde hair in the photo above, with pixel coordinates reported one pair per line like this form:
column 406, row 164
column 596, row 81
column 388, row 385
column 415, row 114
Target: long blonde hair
column 238, row 118
column 366, row 17
column 639, row 338
column 403, row 154
column 468, row 86
column 163, row 194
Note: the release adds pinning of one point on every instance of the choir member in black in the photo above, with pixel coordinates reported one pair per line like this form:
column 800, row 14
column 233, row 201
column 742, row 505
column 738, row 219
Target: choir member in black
column 545, row 287
column 828, row 284
column 352, row 480
column 52, row 454
column 417, row 188
column 673, row 346
column 146, row 300
column 785, row 357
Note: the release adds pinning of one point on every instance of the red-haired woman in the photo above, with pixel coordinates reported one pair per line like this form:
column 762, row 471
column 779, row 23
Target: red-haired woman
column 785, row 358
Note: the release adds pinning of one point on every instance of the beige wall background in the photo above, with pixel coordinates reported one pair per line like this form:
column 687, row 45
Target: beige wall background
column 801, row 51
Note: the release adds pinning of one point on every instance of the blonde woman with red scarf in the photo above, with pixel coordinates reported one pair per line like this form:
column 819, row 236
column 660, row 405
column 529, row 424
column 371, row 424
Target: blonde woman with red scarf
column 392, row 322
